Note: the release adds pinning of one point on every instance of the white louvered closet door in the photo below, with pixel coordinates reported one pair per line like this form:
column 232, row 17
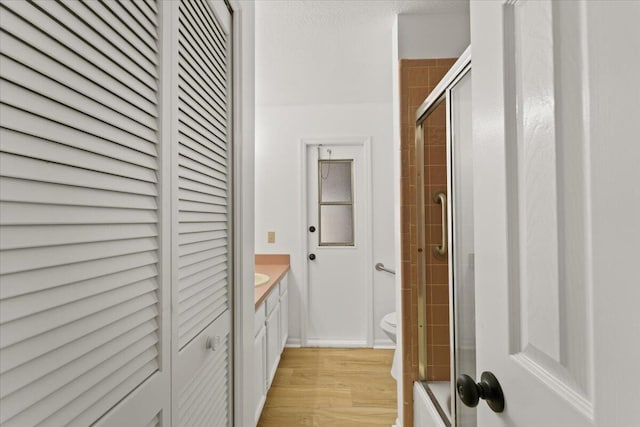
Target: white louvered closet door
column 81, row 285
column 202, row 254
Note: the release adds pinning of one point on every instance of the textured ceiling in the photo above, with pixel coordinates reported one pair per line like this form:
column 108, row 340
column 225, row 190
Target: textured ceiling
column 330, row 52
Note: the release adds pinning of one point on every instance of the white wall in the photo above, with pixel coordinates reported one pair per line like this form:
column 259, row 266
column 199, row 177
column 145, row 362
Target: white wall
column 279, row 131
column 326, row 69
column 433, row 36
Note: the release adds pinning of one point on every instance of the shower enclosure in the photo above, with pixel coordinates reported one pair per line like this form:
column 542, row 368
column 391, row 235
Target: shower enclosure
column 444, row 186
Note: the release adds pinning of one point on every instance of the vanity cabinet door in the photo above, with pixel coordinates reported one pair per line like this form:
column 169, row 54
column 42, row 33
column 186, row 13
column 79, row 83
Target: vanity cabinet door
column 273, row 343
column 260, row 370
column 284, row 319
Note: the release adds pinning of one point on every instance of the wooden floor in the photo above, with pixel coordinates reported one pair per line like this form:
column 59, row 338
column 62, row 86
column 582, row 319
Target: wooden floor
column 332, row 387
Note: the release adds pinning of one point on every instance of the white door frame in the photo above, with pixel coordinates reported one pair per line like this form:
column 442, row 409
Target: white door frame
column 365, row 143
column 243, row 107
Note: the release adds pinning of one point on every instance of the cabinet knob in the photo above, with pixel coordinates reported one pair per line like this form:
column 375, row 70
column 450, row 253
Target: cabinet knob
column 312, row 257
column 213, row 343
column 312, row 229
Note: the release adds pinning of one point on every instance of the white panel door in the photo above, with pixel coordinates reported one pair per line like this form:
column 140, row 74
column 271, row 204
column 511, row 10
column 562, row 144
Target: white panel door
column 201, row 218
column 556, row 155
column 81, row 317
column 339, row 295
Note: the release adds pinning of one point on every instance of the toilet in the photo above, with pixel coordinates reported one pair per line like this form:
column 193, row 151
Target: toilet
column 389, row 325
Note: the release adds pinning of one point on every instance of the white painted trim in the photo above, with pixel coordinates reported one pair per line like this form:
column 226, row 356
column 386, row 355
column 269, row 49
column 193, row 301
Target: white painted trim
column 293, row 343
column 337, row 343
column 385, row 346
column 166, row 59
column 171, row 86
column 365, row 143
column 243, row 19
column 397, row 227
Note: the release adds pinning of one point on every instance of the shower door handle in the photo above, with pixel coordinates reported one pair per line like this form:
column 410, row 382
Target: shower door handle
column 441, row 198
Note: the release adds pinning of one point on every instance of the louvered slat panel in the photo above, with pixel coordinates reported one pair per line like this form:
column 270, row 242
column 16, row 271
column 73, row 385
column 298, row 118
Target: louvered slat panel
column 31, row 125
column 42, row 149
column 149, row 13
column 104, row 26
column 199, row 66
column 25, row 54
column 37, row 170
column 38, row 83
column 194, row 196
column 203, row 156
column 187, row 140
column 202, row 401
column 193, row 36
column 208, row 32
column 15, row 237
column 203, row 190
column 107, row 14
column 67, row 343
column 37, row 280
column 79, row 290
column 20, row 190
column 110, row 48
column 16, row 96
column 198, row 266
column 64, row 36
column 187, row 228
column 124, row 13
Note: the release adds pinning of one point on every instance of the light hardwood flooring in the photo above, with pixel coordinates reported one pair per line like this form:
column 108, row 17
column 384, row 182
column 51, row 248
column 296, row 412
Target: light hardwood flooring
column 332, row 387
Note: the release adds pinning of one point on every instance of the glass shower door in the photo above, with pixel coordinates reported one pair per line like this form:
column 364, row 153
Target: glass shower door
column 462, row 247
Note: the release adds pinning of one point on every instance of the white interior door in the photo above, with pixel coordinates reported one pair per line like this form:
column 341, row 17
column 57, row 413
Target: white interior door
column 338, row 296
column 201, row 251
column 555, row 108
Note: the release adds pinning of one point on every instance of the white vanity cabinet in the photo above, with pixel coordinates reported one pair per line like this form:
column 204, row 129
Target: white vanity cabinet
column 271, row 328
column 284, row 312
column 273, row 339
column 260, row 359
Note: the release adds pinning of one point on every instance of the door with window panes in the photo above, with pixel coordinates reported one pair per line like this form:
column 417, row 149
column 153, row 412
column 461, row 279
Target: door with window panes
column 336, row 198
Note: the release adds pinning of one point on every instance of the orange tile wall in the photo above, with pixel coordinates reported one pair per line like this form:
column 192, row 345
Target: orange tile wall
column 417, row 80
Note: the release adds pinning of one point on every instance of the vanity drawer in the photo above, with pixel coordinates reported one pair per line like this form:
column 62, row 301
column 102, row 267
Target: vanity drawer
column 273, row 299
column 259, row 318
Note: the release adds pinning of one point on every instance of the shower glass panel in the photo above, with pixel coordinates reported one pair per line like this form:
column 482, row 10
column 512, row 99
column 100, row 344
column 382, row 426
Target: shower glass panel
column 433, row 275
column 446, row 306
column 462, row 248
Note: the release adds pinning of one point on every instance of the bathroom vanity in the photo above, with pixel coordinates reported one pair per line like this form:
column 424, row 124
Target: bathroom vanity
column 271, row 322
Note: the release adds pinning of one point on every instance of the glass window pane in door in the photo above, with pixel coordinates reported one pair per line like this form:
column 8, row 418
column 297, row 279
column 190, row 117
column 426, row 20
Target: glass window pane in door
column 336, row 225
column 335, row 181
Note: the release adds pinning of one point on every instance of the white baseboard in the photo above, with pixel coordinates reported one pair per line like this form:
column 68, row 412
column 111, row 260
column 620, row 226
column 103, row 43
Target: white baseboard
column 384, row 344
column 293, row 343
column 337, row 343
column 378, row 345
